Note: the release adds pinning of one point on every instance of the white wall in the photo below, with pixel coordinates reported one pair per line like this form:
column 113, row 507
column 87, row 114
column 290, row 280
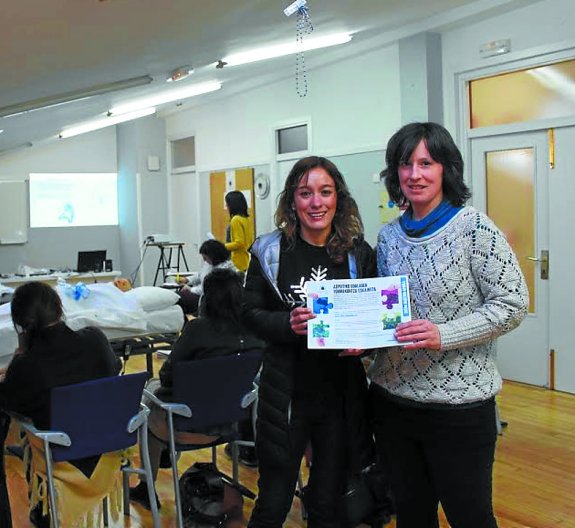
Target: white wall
column 353, row 107
column 58, row 247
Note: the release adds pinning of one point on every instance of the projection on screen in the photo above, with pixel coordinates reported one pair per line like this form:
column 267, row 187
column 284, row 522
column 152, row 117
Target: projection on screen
column 72, row 200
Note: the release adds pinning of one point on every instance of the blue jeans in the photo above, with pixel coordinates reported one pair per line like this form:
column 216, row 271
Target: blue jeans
column 438, row 456
column 320, row 423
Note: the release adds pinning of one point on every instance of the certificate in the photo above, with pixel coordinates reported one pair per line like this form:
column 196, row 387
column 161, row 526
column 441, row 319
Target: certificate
column 357, row 313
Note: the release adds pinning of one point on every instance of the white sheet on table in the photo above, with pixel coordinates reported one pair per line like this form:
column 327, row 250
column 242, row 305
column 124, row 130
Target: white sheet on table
column 106, row 307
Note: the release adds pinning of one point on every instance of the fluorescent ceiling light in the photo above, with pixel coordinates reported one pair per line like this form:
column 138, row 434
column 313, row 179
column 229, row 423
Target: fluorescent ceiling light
column 69, row 97
column 105, row 122
column 167, row 96
column 271, row 52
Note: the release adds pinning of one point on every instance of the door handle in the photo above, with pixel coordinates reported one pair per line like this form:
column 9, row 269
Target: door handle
column 544, row 261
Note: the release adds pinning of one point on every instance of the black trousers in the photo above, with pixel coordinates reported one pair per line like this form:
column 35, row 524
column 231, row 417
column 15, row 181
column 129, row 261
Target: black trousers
column 438, row 456
column 320, row 423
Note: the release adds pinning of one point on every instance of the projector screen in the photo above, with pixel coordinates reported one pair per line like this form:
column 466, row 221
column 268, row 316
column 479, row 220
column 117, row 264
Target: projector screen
column 71, row 200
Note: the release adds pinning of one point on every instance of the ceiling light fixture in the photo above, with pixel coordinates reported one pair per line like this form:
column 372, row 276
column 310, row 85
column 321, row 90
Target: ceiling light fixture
column 271, row 52
column 104, row 122
column 179, row 74
column 167, row 96
column 17, row 148
column 69, row 97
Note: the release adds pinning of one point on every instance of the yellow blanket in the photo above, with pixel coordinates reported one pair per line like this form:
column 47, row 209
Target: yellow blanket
column 79, row 498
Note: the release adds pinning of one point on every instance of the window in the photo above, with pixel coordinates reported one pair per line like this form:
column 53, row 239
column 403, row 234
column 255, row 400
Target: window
column 75, row 199
column 183, row 153
column 533, row 93
column 290, row 140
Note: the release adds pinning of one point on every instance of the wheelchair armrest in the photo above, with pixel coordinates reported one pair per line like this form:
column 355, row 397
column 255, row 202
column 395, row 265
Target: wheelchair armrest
column 249, row 398
column 170, row 407
column 53, row 437
column 138, row 419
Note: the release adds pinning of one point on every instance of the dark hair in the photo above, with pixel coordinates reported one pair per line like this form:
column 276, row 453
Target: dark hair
column 34, row 306
column 215, row 251
column 441, row 148
column 236, row 202
column 223, row 293
column 346, row 226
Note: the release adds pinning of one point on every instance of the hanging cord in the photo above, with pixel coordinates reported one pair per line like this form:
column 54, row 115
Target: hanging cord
column 135, row 274
column 303, row 27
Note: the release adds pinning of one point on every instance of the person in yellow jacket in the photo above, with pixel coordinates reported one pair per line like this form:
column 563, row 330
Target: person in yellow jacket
column 241, row 231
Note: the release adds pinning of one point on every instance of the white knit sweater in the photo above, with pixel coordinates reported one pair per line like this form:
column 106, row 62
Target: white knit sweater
column 466, row 279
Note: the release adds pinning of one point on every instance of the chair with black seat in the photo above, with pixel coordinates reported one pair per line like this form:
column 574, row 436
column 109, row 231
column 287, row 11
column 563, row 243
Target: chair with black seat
column 94, row 418
column 209, row 392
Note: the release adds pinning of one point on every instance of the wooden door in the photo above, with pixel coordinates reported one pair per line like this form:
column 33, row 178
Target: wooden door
column 220, row 184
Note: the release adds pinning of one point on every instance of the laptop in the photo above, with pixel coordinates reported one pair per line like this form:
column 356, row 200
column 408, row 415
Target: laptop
column 91, row 261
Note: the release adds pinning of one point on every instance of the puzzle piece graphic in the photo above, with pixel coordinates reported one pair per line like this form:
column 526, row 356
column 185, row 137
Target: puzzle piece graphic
column 320, row 330
column 321, row 305
column 390, row 297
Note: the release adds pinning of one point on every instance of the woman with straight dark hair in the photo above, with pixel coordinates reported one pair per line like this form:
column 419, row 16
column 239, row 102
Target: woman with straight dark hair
column 50, row 354
column 217, row 332
column 241, row 231
column 306, row 396
column 433, row 397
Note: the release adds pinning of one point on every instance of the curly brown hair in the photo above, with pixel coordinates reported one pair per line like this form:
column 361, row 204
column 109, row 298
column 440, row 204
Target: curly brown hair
column 346, row 226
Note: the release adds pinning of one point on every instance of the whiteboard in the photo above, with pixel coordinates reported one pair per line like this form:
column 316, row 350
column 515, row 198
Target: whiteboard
column 13, row 212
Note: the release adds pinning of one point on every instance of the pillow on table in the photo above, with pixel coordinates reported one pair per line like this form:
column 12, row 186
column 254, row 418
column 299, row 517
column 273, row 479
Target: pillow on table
column 153, row 298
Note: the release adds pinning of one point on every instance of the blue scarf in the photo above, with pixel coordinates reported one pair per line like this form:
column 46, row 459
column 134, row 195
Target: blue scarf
column 430, row 223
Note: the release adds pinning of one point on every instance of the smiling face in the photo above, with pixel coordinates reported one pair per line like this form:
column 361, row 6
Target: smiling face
column 421, row 180
column 315, row 202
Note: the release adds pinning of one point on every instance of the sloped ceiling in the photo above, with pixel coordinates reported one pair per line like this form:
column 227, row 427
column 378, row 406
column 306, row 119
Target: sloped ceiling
column 49, row 48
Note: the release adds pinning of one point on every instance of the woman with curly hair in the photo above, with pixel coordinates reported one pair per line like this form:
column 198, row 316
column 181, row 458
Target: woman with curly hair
column 306, row 396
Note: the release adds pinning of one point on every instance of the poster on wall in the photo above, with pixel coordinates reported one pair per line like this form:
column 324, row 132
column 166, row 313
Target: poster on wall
column 388, row 209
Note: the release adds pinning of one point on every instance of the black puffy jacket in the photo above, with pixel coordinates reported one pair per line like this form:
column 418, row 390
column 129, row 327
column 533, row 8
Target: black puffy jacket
column 267, row 316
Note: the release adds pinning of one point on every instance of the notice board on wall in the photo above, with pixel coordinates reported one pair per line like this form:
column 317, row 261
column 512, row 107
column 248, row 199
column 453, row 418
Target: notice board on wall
column 13, row 212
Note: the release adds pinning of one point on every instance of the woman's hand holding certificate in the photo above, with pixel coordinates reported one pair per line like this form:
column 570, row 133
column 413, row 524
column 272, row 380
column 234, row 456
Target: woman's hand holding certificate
column 418, row 334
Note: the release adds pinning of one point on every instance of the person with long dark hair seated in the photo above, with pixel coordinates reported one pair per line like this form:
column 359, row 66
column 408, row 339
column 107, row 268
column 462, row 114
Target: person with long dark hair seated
column 306, row 396
column 241, row 231
column 5, row 512
column 50, row 354
column 217, row 332
column 215, row 255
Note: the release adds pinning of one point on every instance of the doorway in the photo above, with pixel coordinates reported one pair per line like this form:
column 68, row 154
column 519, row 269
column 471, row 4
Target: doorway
column 534, row 205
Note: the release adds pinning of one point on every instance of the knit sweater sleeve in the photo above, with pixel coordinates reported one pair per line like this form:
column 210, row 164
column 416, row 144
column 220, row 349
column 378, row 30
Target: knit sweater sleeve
column 501, row 285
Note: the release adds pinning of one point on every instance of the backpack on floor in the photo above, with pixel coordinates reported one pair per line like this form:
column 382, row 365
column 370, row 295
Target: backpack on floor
column 209, row 497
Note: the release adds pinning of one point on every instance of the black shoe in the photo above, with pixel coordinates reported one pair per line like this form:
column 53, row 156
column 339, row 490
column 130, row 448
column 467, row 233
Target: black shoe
column 247, row 456
column 165, row 460
column 37, row 519
column 139, row 494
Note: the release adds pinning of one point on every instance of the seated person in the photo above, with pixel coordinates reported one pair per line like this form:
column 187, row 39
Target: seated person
column 5, row 513
column 215, row 256
column 217, row 332
column 50, row 354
